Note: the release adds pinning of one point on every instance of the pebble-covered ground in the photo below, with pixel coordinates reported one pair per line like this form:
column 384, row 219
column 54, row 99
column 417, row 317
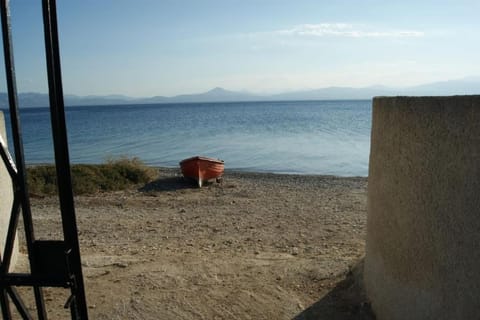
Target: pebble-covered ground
column 255, row 246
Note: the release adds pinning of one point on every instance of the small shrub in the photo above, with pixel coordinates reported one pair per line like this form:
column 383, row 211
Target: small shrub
column 115, row 174
column 86, row 178
column 42, row 179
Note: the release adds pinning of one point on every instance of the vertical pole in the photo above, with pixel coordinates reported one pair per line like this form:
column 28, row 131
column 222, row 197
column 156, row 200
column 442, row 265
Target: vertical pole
column 18, row 145
column 11, row 232
column 4, row 305
column 62, row 161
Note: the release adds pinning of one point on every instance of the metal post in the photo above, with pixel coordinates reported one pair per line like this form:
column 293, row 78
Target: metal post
column 62, row 161
column 18, row 145
column 53, row 263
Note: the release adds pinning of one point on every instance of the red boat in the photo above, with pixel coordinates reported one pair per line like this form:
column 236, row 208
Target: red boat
column 202, row 169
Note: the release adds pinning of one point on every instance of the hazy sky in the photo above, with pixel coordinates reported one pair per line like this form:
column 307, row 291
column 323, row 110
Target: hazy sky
column 153, row 47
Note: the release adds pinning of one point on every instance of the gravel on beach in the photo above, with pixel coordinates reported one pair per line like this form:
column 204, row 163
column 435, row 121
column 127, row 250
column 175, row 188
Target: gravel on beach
column 254, row 246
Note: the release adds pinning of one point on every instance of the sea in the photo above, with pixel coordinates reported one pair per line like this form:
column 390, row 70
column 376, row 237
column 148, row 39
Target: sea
column 293, row 137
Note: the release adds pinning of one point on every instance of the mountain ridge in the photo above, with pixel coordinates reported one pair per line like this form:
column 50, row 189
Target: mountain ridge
column 470, row 85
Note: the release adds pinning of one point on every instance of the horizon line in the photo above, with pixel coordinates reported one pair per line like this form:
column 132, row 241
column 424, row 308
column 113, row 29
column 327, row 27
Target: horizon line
column 259, row 94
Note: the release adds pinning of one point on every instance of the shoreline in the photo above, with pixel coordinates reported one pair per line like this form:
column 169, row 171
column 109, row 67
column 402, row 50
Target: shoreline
column 233, row 171
column 257, row 245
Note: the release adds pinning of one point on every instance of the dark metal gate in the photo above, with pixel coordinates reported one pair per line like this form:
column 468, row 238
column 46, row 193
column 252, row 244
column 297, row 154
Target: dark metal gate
column 53, row 263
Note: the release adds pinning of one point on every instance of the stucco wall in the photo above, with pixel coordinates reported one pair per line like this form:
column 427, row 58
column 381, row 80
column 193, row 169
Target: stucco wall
column 6, row 197
column 423, row 230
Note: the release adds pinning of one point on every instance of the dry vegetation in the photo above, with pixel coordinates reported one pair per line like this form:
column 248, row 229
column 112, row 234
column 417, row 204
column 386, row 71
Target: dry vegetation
column 113, row 175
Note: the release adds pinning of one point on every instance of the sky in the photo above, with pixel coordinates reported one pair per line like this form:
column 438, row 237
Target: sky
column 146, row 48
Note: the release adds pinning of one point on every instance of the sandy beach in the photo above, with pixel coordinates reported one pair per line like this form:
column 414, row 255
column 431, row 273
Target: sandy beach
column 255, row 246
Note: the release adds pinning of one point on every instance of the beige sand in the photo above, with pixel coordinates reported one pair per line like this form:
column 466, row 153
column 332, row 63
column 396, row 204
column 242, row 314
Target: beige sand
column 256, row 246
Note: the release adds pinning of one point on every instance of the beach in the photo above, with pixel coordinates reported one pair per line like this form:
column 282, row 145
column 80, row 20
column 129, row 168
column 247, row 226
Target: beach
column 255, row 246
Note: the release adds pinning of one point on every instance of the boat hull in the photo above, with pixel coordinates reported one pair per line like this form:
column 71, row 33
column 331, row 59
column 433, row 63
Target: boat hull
column 202, row 169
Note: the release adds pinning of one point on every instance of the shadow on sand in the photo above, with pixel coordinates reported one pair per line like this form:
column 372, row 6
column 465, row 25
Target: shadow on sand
column 168, row 184
column 347, row 301
column 172, row 184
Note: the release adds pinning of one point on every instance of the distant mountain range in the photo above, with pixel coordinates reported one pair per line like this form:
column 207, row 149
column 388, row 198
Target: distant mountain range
column 464, row 86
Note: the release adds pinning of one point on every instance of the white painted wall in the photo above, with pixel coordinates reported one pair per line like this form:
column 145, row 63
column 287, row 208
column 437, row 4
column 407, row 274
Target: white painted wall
column 6, row 198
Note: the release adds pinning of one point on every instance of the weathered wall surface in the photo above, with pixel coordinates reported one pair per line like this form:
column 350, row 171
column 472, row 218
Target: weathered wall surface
column 6, row 197
column 423, row 233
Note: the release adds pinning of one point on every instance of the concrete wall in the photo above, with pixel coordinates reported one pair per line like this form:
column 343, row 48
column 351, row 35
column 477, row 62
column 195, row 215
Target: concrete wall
column 6, row 197
column 423, row 231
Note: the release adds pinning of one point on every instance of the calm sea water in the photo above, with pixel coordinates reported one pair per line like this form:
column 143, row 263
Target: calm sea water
column 311, row 137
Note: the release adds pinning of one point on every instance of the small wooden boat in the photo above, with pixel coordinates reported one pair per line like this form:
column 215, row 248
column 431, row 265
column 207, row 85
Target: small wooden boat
column 202, row 169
